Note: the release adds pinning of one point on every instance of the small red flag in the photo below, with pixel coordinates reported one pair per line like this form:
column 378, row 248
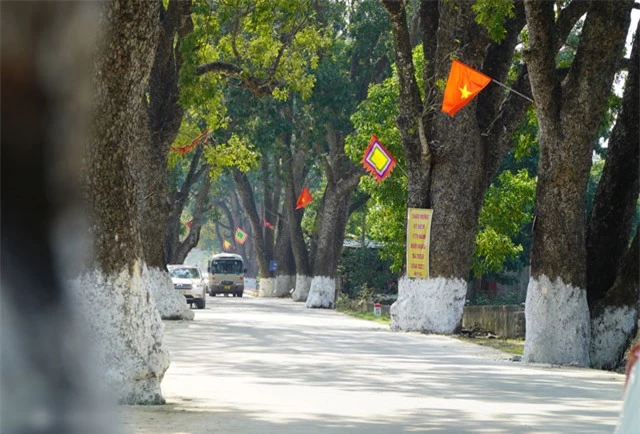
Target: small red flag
column 463, row 84
column 268, row 225
column 189, row 223
column 194, row 143
column 304, row 199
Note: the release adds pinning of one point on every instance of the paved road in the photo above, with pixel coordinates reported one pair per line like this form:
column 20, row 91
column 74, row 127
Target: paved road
column 254, row 365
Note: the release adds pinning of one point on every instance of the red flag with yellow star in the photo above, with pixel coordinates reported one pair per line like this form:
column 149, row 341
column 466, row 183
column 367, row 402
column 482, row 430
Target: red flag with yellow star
column 463, row 84
column 304, row 199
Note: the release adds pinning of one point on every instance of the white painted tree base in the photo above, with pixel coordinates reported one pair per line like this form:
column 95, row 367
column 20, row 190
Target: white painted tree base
column 303, row 285
column 126, row 327
column 284, row 286
column 610, row 333
column 170, row 303
column 322, row 292
column 266, row 287
column 428, row 305
column 558, row 323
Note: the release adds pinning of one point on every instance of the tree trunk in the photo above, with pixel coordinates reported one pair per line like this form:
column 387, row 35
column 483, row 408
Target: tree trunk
column 165, row 116
column 127, row 323
column 179, row 200
column 193, row 236
column 614, row 320
column 449, row 160
column 245, row 193
column 286, row 269
column 246, row 249
column 342, row 180
column 557, row 315
column 46, row 98
column 293, row 169
column 614, row 316
column 617, row 193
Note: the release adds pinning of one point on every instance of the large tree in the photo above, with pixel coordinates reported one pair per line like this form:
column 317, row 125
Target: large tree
column 116, row 287
column 451, row 161
column 569, row 109
column 357, row 58
column 612, row 275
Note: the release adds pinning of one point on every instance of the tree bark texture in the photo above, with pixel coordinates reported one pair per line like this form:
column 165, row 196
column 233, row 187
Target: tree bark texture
column 617, row 193
column 123, row 66
column 164, row 118
column 568, row 115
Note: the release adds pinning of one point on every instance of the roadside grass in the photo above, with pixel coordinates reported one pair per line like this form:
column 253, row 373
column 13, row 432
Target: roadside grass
column 512, row 346
column 365, row 315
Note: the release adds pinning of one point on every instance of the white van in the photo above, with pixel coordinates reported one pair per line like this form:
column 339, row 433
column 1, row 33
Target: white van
column 226, row 274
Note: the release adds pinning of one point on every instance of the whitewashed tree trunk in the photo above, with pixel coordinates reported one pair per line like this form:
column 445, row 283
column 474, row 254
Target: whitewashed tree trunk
column 284, row 285
column 303, row 285
column 558, row 324
column 322, row 292
column 610, row 334
column 430, row 305
column 266, row 287
column 171, row 304
column 128, row 331
column 569, row 110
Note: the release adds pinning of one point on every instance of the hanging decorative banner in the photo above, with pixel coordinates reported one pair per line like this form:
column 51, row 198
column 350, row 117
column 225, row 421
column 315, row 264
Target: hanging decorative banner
column 304, row 199
column 377, row 160
column 241, row 236
column 463, row 84
column 418, row 239
column 226, row 245
column 184, row 149
column 268, row 225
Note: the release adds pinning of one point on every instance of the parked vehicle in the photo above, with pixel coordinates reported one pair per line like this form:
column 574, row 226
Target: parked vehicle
column 226, row 274
column 629, row 422
column 189, row 280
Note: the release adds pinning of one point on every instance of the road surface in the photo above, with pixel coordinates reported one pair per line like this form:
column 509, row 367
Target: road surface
column 256, row 365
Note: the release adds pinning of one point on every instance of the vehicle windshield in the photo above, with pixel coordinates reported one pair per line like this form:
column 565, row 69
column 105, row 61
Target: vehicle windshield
column 185, row 273
column 227, row 267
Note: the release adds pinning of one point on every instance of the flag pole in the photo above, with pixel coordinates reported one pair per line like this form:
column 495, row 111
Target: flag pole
column 512, row 90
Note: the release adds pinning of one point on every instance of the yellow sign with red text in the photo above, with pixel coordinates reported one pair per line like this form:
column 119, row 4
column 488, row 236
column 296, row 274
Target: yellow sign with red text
column 418, row 237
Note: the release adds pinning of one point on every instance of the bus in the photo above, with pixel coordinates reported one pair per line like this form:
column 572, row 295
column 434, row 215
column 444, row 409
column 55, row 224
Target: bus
column 226, row 274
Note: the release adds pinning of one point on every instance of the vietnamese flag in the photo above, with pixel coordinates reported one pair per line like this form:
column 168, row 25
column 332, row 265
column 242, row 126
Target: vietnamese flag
column 304, row 199
column 463, row 84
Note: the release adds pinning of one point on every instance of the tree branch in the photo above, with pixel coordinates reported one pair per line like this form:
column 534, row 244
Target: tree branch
column 541, row 58
column 568, row 18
